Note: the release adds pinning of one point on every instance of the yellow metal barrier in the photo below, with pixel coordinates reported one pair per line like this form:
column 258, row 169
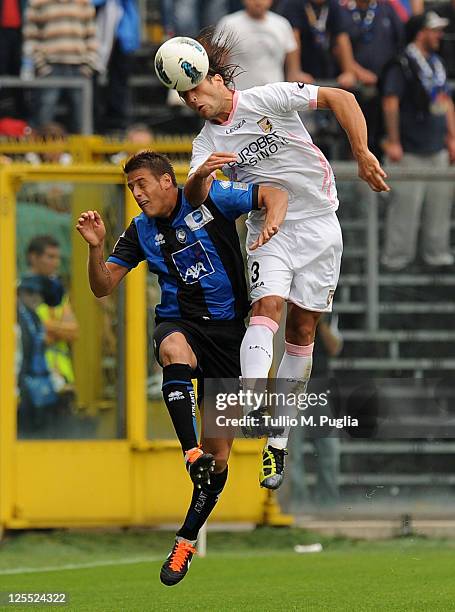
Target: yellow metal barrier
column 130, row 481
column 7, row 343
column 90, row 149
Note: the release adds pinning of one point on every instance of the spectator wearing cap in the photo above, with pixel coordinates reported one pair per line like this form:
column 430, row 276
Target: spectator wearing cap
column 420, row 132
column 377, row 35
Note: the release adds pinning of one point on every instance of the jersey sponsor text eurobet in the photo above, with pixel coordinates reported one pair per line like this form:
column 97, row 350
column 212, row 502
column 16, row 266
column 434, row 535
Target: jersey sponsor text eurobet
column 273, row 147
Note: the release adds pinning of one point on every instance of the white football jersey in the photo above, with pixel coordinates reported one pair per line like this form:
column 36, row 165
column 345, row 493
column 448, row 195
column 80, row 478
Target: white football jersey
column 273, row 147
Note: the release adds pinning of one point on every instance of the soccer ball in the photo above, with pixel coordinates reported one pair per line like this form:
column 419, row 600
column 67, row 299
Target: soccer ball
column 181, row 63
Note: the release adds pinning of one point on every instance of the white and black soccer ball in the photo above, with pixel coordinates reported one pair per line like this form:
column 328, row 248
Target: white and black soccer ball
column 181, row 63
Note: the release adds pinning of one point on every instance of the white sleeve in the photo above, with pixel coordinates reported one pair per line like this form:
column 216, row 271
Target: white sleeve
column 202, row 149
column 286, row 97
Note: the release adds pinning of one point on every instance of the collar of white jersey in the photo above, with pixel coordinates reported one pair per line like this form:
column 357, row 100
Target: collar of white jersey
column 235, row 101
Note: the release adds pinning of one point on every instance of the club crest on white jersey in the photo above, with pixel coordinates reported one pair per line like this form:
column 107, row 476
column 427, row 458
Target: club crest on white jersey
column 265, row 124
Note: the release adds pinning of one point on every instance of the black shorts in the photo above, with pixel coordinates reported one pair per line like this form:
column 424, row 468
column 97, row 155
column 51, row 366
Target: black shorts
column 216, row 344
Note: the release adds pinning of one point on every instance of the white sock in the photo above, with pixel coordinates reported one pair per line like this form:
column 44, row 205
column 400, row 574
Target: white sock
column 256, row 353
column 292, row 377
column 256, row 350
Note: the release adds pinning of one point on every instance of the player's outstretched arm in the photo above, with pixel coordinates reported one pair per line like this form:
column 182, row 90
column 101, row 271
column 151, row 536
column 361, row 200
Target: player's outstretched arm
column 198, row 185
column 103, row 277
column 351, row 119
column 275, row 202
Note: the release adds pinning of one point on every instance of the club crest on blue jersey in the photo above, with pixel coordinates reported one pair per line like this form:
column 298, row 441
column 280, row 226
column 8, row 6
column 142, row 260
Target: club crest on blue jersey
column 265, row 124
column 180, row 234
column 193, row 263
column 198, row 218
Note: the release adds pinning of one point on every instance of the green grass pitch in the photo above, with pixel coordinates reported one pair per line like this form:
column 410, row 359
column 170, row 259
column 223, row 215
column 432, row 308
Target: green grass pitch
column 243, row 572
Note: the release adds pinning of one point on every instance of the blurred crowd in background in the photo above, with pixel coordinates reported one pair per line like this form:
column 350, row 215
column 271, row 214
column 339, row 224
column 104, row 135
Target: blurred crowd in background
column 350, row 43
column 396, row 56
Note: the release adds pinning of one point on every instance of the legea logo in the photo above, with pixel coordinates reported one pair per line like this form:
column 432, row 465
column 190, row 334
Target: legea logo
column 236, row 127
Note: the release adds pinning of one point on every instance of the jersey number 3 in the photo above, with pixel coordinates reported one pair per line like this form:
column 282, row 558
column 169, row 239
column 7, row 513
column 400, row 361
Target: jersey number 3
column 254, row 271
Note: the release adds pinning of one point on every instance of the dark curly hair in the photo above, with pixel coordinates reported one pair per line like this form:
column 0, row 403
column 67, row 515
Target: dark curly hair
column 157, row 163
column 220, row 50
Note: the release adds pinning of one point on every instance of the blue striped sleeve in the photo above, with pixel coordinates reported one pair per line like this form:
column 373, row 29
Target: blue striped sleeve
column 234, row 199
column 127, row 250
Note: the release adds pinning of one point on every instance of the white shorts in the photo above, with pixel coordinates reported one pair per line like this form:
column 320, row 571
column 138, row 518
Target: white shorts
column 301, row 263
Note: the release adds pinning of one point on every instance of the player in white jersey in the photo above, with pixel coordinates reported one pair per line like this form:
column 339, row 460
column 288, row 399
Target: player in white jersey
column 257, row 136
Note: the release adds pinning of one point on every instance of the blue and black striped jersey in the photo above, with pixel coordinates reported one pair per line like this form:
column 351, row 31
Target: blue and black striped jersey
column 195, row 253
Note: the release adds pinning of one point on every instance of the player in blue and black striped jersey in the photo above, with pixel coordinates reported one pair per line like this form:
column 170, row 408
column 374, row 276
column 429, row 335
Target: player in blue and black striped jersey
column 195, row 252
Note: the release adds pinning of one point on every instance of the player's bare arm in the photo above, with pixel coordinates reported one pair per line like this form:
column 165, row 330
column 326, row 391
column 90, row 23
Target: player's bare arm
column 351, row 119
column 103, row 277
column 198, row 184
column 275, row 202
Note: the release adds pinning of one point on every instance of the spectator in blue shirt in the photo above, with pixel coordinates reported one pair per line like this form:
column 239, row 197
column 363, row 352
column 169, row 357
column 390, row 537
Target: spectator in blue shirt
column 420, row 132
column 376, row 35
column 320, row 32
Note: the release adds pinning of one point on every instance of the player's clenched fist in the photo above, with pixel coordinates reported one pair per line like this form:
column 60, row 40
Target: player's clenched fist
column 91, row 227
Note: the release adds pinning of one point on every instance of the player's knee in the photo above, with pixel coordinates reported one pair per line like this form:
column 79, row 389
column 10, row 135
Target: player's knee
column 301, row 328
column 175, row 349
column 270, row 307
column 300, row 336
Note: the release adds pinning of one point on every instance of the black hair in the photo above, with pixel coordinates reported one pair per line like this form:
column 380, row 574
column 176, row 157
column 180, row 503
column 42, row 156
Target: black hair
column 220, row 50
column 413, row 26
column 40, row 243
column 157, row 163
